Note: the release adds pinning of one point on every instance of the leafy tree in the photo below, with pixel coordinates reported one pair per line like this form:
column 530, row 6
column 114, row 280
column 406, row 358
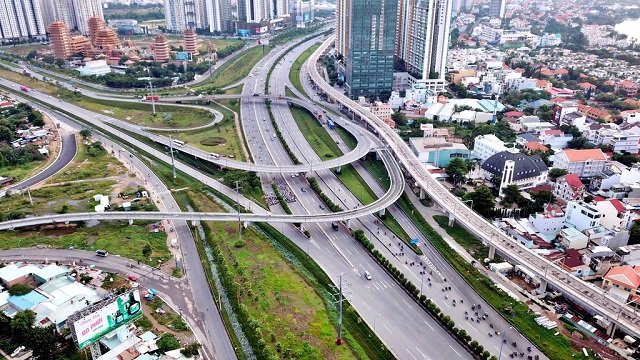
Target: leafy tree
column 6, row 135
column 191, row 349
column 21, row 324
column 625, row 157
column 43, row 341
column 483, row 200
column 577, row 143
column 123, row 59
column 20, row 289
column 544, row 113
column 166, row 343
column 35, row 117
column 85, row 133
column 456, row 170
column 511, row 194
column 32, row 54
column 634, row 233
column 588, row 199
column 146, row 250
column 571, row 129
column 555, row 173
column 399, row 118
column 60, row 63
column 542, row 198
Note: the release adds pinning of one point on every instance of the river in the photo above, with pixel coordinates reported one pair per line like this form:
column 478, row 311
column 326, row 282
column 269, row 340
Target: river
column 631, row 28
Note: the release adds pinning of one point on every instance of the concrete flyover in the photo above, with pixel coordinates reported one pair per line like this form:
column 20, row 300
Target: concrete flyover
column 363, row 147
column 590, row 296
column 395, row 191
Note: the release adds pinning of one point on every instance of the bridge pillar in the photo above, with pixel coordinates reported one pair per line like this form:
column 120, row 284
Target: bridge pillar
column 130, row 221
column 378, row 157
column 612, row 329
column 542, row 288
column 492, row 252
column 452, row 219
column 348, row 223
column 339, row 169
column 246, row 224
column 423, row 194
column 382, row 212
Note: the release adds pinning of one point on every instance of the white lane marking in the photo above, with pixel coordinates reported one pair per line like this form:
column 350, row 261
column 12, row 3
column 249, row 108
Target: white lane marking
column 349, row 251
column 409, row 306
column 426, row 323
column 454, row 350
column 423, row 355
column 365, row 304
column 411, row 354
column 383, row 324
column 473, row 327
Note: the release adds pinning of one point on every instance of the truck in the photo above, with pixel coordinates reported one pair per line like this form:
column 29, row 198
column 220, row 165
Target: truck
column 154, row 98
column 24, row 88
column 331, row 124
column 26, row 72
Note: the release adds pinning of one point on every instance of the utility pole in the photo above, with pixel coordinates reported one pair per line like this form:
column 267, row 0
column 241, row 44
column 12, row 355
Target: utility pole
column 339, row 341
column 173, row 164
column 153, row 101
column 238, row 202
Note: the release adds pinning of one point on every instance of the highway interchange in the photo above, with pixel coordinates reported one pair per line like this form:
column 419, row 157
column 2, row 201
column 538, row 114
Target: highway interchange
column 406, row 329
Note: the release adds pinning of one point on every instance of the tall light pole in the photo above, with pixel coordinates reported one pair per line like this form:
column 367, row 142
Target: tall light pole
column 173, row 164
column 502, row 341
column 374, row 323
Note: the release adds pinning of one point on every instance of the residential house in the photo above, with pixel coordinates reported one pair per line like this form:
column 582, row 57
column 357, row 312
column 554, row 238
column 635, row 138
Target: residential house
column 595, row 114
column 572, row 238
column 562, row 109
column 548, row 222
column 532, row 146
column 584, row 163
column 622, row 281
column 522, row 139
column 556, row 139
column 582, row 216
column 627, row 86
column 569, row 188
column 574, row 118
column 615, row 214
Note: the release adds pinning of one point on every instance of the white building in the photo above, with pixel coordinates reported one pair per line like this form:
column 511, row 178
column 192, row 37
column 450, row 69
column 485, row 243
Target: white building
column 485, row 146
column 550, row 40
column 21, row 19
column 615, row 214
column 96, row 67
column 582, row 215
column 584, row 163
column 304, row 11
column 576, row 119
column 516, row 168
column 549, row 222
column 381, row 110
column 555, row 139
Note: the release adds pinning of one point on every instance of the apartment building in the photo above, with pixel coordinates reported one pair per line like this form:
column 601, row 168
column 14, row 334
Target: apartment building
column 584, row 163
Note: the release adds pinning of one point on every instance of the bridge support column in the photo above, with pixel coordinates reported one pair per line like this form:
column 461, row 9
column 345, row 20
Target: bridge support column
column 246, row 224
column 542, row 288
column 339, row 169
column 378, row 157
column 348, row 222
column 612, row 329
column 423, row 194
column 130, row 221
column 382, row 212
column 452, row 219
column 492, row 252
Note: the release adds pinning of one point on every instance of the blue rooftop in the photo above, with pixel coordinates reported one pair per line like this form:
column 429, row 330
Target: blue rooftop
column 27, row 301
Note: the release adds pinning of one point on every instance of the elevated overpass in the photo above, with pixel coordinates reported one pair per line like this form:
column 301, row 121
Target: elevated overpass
column 588, row 295
column 395, row 191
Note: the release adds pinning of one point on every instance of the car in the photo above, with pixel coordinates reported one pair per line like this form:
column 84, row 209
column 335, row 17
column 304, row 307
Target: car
column 264, row 119
column 303, row 189
column 321, row 207
column 132, row 277
column 256, row 94
column 367, row 275
column 135, row 285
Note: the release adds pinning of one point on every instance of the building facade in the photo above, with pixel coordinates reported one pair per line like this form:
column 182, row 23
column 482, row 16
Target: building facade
column 497, row 8
column 485, row 146
column 423, row 39
column 212, row 15
column 515, row 168
column 21, row 19
column 367, row 42
column 60, row 37
column 83, row 11
column 584, row 163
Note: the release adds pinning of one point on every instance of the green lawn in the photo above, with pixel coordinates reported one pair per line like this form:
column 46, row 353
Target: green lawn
column 220, row 44
column 84, row 167
column 348, row 139
column 117, row 238
column 290, row 94
column 294, row 74
column 24, row 171
column 469, row 242
column 289, row 310
column 237, row 68
column 235, row 90
column 378, row 171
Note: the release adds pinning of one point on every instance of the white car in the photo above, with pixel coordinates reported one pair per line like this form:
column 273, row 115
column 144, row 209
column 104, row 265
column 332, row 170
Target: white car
column 135, row 285
column 367, row 275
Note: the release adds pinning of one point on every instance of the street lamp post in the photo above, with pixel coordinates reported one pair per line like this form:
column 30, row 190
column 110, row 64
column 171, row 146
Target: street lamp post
column 421, row 281
column 502, row 341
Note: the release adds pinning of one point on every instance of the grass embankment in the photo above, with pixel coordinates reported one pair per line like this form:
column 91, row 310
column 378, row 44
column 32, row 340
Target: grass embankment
column 220, row 44
column 291, row 315
column 236, row 90
column 118, row 238
column 288, row 93
column 348, row 139
column 167, row 116
column 84, row 166
column 555, row 347
column 221, row 138
column 236, row 69
column 294, row 74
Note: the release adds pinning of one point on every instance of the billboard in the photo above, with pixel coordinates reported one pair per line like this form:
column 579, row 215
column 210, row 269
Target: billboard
column 307, row 17
column 244, row 32
column 184, row 56
column 95, row 321
column 263, row 42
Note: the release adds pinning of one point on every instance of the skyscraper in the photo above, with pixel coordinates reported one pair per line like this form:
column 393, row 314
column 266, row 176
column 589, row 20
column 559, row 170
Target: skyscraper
column 84, row 10
column 423, row 40
column 21, row 19
column 497, row 8
column 213, row 15
column 367, row 41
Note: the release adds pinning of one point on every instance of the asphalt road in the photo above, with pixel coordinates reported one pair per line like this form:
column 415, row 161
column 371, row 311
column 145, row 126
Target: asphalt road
column 67, row 154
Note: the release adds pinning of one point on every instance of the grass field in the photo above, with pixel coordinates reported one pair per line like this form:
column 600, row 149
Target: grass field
column 221, row 138
column 289, row 310
column 236, row 69
column 119, row 239
column 84, row 167
column 289, row 93
column 294, row 74
column 378, row 171
column 220, row 44
column 235, row 90
column 348, row 139
column 134, row 112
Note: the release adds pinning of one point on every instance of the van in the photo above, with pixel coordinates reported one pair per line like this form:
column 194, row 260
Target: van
column 334, row 225
column 102, row 253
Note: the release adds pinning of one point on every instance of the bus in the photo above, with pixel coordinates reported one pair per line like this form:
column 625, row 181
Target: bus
column 214, row 156
column 179, row 143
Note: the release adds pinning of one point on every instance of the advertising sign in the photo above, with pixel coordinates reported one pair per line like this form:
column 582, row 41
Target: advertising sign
column 112, row 315
column 244, row 32
column 184, row 56
column 307, row 17
column 263, row 42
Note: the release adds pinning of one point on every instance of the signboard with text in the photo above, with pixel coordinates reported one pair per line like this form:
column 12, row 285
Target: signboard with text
column 88, row 328
column 183, row 56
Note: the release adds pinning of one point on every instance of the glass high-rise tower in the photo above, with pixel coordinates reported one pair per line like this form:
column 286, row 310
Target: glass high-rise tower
column 366, row 38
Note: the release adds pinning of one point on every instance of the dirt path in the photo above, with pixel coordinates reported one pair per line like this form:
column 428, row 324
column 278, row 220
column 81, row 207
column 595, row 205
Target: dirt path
column 158, row 328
